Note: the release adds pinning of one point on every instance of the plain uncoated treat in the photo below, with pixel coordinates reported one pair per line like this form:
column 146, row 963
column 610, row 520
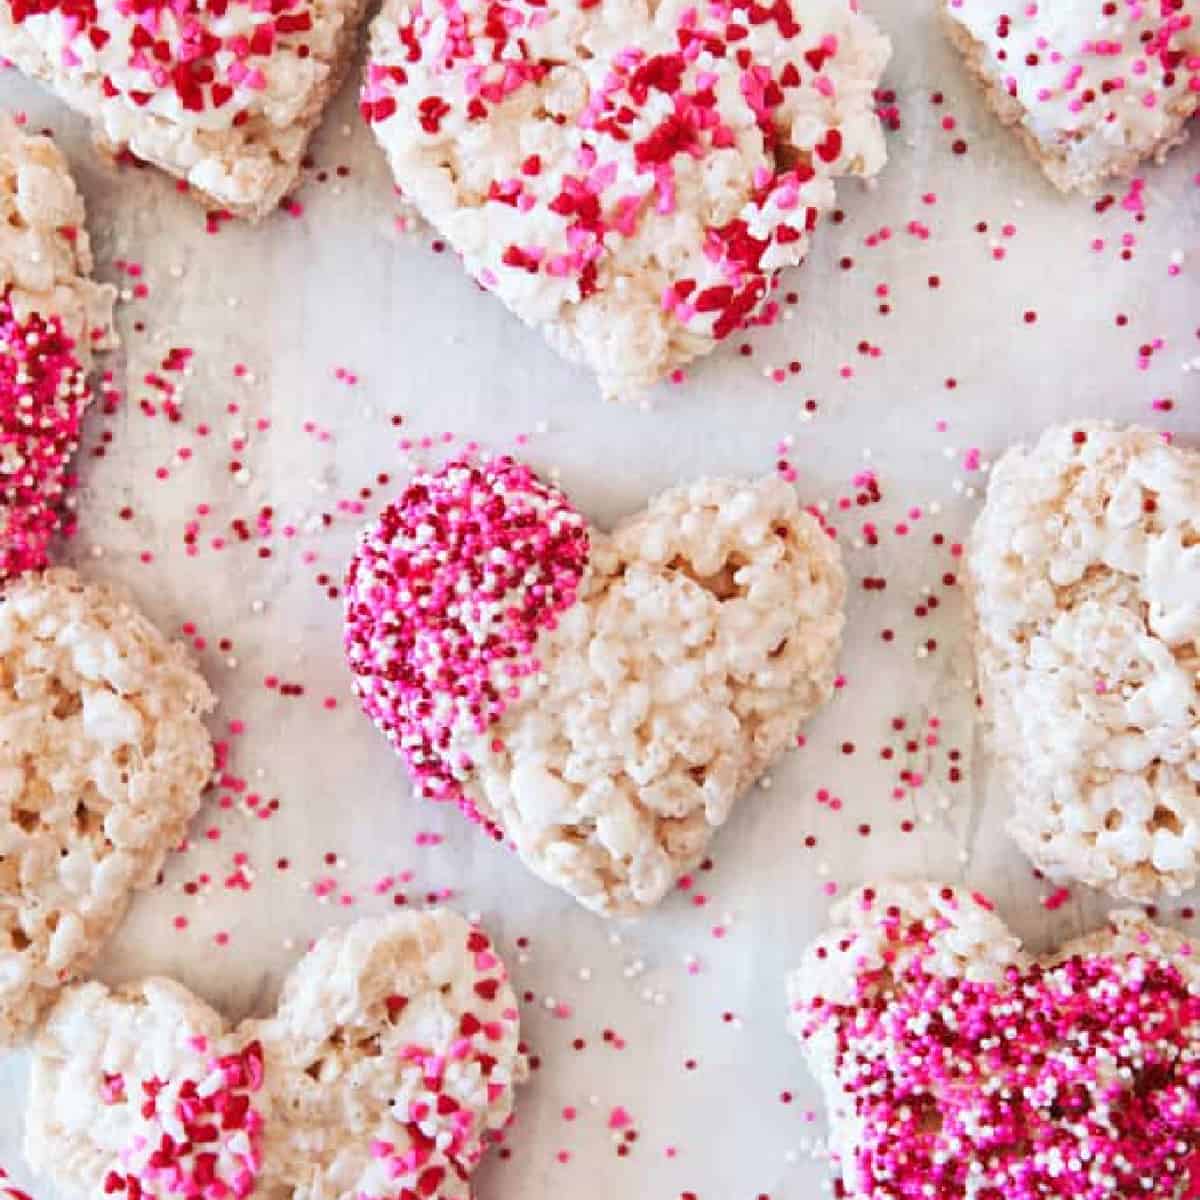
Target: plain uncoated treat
column 953, row 1064
column 387, row 1070
column 52, row 317
column 1092, row 89
column 103, row 757
column 224, row 96
column 1083, row 571
column 598, row 700
column 628, row 176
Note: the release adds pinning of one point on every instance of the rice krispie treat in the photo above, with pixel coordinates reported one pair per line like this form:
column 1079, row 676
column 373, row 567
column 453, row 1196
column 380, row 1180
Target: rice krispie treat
column 1084, row 575
column 955, row 1066
column 386, row 1072
column 1092, row 87
column 52, row 316
column 103, row 757
column 628, row 176
column 599, row 700
column 223, row 94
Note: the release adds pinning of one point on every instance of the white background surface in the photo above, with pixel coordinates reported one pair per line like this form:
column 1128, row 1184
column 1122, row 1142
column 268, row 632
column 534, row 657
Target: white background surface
column 338, row 286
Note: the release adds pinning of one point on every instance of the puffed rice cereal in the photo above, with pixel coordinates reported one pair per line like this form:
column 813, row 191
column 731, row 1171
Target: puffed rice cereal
column 1084, row 576
column 103, row 757
column 388, row 1068
column 598, row 700
column 1092, row 87
column 224, row 94
column 52, row 316
column 628, row 176
column 954, row 1065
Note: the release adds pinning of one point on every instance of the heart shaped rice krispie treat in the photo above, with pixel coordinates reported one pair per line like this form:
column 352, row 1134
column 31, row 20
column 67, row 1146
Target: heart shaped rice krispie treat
column 103, row 757
column 51, row 319
column 956, row 1067
column 1084, row 575
column 628, row 176
column 385, row 1074
column 599, row 700
column 1092, row 87
column 223, row 94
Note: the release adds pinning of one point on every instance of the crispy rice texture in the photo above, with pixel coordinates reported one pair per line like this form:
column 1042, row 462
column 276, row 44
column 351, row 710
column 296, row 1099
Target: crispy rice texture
column 238, row 138
column 702, row 633
column 627, row 176
column 103, row 757
column 387, row 1069
column 52, row 318
column 45, row 252
column 1084, row 576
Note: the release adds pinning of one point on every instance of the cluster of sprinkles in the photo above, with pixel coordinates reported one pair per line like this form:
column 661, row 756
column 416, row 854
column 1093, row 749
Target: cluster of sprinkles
column 194, row 1137
column 446, row 597
column 43, row 394
column 618, row 166
column 204, row 60
column 1080, row 1078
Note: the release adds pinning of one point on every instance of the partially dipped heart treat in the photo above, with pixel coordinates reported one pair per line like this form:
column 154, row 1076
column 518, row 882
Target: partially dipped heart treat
column 52, row 317
column 954, row 1065
column 385, row 1074
column 599, row 700
column 628, row 177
